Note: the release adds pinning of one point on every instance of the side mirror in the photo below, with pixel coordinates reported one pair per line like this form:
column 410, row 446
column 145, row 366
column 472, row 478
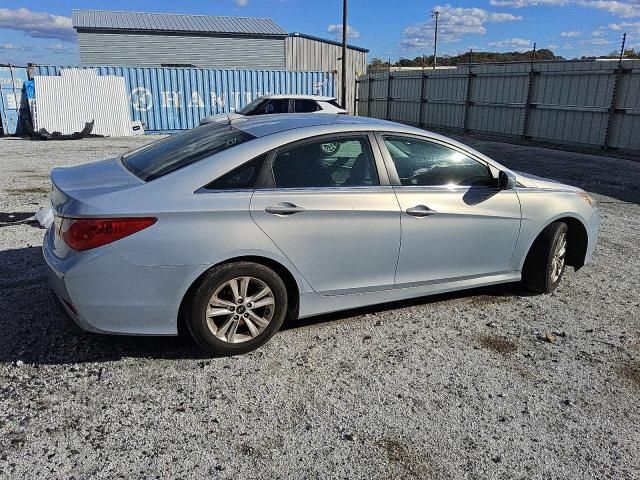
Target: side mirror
column 506, row 180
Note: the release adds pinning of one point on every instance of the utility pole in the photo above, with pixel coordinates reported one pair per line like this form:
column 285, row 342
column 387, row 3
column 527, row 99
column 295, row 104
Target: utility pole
column 435, row 14
column 343, row 76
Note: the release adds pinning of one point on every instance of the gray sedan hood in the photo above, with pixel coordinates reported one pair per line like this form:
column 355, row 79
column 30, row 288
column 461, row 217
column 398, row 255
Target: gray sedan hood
column 533, row 181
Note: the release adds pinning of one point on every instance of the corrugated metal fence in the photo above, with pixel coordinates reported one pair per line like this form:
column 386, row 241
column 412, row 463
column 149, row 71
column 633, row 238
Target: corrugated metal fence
column 573, row 103
column 167, row 99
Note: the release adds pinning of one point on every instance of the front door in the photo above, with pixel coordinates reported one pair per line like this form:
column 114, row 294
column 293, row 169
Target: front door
column 456, row 222
column 327, row 204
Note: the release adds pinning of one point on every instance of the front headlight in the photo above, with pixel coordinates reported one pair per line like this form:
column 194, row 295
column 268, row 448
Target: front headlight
column 587, row 198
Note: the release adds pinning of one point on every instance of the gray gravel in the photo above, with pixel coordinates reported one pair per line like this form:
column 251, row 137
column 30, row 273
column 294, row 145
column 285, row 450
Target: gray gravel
column 491, row 383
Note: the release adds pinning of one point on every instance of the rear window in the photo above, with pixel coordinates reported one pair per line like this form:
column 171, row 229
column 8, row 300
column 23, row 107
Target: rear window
column 177, row 151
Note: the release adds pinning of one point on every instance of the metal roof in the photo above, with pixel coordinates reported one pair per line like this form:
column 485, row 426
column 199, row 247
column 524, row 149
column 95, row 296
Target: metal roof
column 325, row 40
column 170, row 22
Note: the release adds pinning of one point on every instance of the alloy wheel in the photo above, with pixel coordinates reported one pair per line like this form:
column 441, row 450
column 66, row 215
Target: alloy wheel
column 240, row 309
column 557, row 262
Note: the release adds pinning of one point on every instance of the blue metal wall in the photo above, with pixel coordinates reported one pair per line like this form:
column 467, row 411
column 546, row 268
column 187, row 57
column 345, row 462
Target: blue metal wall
column 167, row 99
column 13, row 106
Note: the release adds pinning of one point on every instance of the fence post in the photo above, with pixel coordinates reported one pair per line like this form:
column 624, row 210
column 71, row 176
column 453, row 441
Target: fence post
column 467, row 102
column 423, row 81
column 370, row 94
column 614, row 97
column 356, row 96
column 389, row 78
column 528, row 106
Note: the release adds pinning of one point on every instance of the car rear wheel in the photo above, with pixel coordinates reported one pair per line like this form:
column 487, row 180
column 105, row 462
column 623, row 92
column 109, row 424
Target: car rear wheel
column 237, row 308
column 546, row 261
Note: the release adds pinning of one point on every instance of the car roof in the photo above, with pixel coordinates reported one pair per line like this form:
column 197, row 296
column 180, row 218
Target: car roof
column 304, row 125
column 300, row 97
column 262, row 125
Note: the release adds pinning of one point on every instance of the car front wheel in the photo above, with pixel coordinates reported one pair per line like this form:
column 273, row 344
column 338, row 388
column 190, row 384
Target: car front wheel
column 546, row 260
column 237, row 308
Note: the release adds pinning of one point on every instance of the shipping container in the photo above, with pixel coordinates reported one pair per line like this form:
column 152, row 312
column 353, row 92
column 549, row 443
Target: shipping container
column 169, row 99
column 14, row 111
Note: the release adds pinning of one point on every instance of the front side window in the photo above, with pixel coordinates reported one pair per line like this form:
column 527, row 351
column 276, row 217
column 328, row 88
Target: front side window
column 330, row 162
column 305, row 106
column 278, row 105
column 177, row 151
column 420, row 162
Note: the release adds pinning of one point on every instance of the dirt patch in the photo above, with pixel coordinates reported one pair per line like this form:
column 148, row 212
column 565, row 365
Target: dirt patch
column 630, row 373
column 482, row 300
column 497, row 344
column 400, row 454
column 28, row 190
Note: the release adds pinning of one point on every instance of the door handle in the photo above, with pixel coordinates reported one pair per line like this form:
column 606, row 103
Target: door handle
column 420, row 211
column 284, row 208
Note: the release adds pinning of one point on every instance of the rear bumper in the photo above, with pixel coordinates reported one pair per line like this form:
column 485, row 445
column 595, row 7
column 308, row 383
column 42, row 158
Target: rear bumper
column 103, row 293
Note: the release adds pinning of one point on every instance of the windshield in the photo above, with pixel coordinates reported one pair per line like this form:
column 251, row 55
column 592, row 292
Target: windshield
column 177, row 151
column 249, row 107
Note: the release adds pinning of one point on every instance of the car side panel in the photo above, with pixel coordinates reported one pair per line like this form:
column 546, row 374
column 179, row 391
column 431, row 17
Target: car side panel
column 541, row 207
column 346, row 239
column 473, row 233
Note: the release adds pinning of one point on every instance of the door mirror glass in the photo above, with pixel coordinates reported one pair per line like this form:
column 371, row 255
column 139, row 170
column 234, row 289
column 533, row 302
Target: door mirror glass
column 506, row 180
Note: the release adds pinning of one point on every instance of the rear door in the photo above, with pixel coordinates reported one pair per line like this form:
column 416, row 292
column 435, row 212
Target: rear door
column 327, row 204
column 456, row 222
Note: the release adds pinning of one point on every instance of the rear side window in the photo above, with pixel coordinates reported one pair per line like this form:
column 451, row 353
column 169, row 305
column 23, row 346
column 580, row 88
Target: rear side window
column 330, row 162
column 242, row 177
column 306, row 106
column 334, row 103
column 177, row 151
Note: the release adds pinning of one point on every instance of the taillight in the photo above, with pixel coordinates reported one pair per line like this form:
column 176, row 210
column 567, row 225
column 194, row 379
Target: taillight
column 88, row 233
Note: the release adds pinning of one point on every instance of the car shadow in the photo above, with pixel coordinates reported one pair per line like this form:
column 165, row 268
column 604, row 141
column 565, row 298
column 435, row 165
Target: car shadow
column 35, row 330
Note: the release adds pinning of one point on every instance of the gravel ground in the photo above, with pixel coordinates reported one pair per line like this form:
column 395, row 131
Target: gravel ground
column 491, row 383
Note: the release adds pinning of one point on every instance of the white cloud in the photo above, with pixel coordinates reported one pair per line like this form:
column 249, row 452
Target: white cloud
column 454, row 23
column 10, row 46
column 337, row 29
column 626, row 26
column 571, row 34
column 615, row 7
column 37, row 24
column 597, row 42
column 512, row 43
column 241, row 3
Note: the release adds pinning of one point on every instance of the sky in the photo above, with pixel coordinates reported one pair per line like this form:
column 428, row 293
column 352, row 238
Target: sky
column 40, row 31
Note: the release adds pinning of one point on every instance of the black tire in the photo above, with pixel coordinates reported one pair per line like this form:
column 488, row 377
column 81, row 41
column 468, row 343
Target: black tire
column 196, row 312
column 537, row 273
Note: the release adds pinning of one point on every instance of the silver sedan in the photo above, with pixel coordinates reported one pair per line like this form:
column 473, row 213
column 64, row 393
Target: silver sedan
column 231, row 228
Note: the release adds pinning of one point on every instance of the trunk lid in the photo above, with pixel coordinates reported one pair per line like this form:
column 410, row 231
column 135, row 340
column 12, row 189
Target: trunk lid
column 70, row 184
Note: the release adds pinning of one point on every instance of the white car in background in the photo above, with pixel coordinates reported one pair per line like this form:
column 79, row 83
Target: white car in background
column 269, row 104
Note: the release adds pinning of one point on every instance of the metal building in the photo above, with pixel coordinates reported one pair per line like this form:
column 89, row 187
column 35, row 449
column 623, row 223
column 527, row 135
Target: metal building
column 177, row 40
column 306, row 52
column 160, row 39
